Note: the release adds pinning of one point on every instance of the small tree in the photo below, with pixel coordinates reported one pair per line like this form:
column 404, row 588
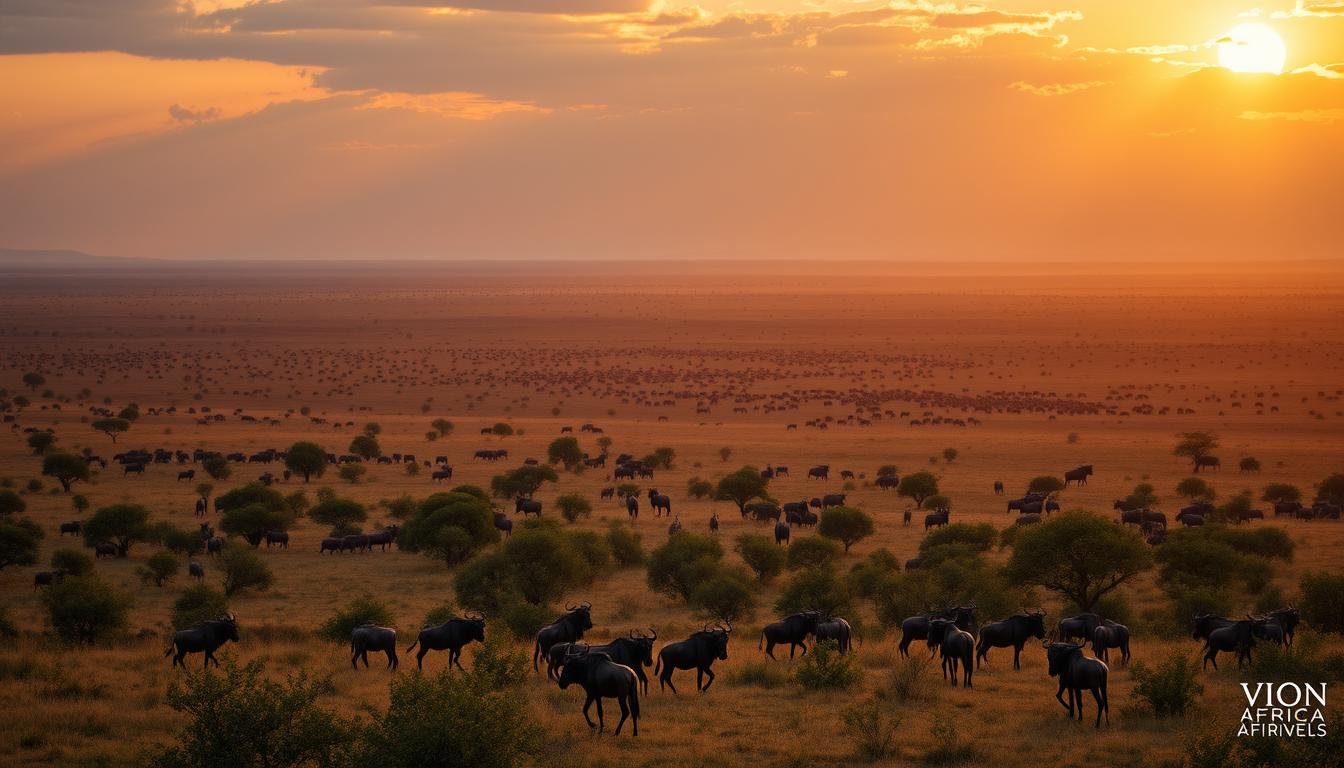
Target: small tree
column 33, row 380
column 243, row 569
column 255, row 520
column 1169, row 688
column 449, row 526
column 741, row 487
column 699, row 489
column 812, row 552
column 85, row 608
column 351, row 473
column 198, row 603
column 443, row 427
column 1143, row 496
column 80, row 503
column 217, row 467
column 846, row 525
column 1331, row 489
column 950, row 455
column 523, row 481
column 1079, row 555
column 1281, row 492
column 1195, row 446
column 728, row 595
column 121, row 524
column 174, row 539
column 19, row 541
column 604, row 443
column 11, row 503
column 502, row 429
column 565, row 450
column 1046, row 484
column 160, row 568
column 307, row 459
column 111, row 427
column 365, row 446
column 887, row 470
column 937, row 501
column 662, row 457
column 66, row 468
column 340, row 514
column 683, row 564
column 761, row 555
column 918, row 487
column 624, row 543
column 725, row 453
column 204, row 490
column 41, row 441
column 365, row 609
column 1322, row 601
column 573, row 506
column 72, row 562
column 1195, row 488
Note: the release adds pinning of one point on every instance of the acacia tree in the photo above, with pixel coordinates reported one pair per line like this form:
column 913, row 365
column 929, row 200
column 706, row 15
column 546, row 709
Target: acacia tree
column 523, row 481
column 121, row 524
column 565, row 450
column 1046, row 484
column 65, row 467
column 341, row 514
column 41, row 441
column 442, row 427
column 307, row 459
column 111, row 427
column 741, row 487
column 1079, row 555
column 918, row 487
column 366, row 447
column 19, row 541
column 1196, row 446
column 846, row 525
column 1279, row 492
column 33, row 380
column 1196, row 489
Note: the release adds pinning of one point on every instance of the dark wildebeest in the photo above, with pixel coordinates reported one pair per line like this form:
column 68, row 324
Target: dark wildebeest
column 781, row 532
column 1078, row 475
column 1013, row 631
column 1109, row 635
column 634, row 651
column 504, row 524
column 104, row 549
column 200, row 508
column 888, row 482
column 205, row 637
column 936, row 519
column 138, row 469
column 821, row 472
column 1027, row 519
column 1081, row 626
column 442, row 474
column 714, row 523
column 1287, row 618
column 47, row 578
column 608, row 493
column 280, row 538
column 660, row 503
column 1238, row 637
column 190, row 474
column 1212, row 462
column 602, row 678
column 917, row 627
column 196, row 570
column 998, row 487
column 371, row 637
column 73, row 527
column 792, row 629
column 331, row 544
column 832, row 500
column 527, row 507
column 956, row 646
column 632, row 507
column 569, row 628
column 697, row 652
column 384, row 537
column 449, row 636
column 1269, row 629
column 837, row 630
column 214, row 545
column 1076, row 673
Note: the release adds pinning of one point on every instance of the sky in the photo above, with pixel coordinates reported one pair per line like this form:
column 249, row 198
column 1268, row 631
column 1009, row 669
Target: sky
column 657, row 129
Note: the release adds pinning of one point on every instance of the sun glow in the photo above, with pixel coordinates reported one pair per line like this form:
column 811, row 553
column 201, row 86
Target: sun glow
column 1252, row 47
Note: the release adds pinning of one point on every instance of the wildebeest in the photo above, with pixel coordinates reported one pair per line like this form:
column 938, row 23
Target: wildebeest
column 917, row 627
column 1027, row 519
column 792, row 629
column 1013, row 631
column 568, row 628
column 1287, row 618
column 138, row 469
column 196, row 570
column 634, row 651
column 504, row 524
column 331, row 544
column 280, row 538
column 1109, row 635
column 998, row 487
column 1076, row 673
column 449, row 636
column 632, row 507
column 189, row 474
column 214, row 545
column 104, row 549
column 527, row 506
column 660, row 503
column 937, row 519
column 887, row 482
column 371, row 637
column 1078, row 475
column 955, row 646
column 820, row 472
column 602, row 678
column 74, row 527
column 442, row 474
column 781, row 532
column 1081, row 626
column 832, row 500
column 608, row 493
column 205, row 637
column 1238, row 637
column 714, row 523
column 47, row 578
column 837, row 630
column 697, row 652
column 384, row 537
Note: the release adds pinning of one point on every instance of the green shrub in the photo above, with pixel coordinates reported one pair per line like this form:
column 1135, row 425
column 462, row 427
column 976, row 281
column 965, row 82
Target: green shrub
column 364, row 609
column 826, row 668
column 680, row 566
column 812, row 552
column 85, row 608
column 1322, row 602
column 1306, row 660
column 159, row 569
column 948, row 748
column 873, row 727
column 761, row 555
column 573, row 506
column 439, row 614
column 624, row 543
column 847, row 525
column 1169, row 687
column 819, row 589
column 871, row 575
column 196, row 604
column 450, row 526
column 728, row 595
column 523, row 619
column 73, row 561
column 244, row 569
column 981, row 537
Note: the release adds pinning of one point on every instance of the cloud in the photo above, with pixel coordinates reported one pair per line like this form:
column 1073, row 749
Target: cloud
column 1331, row 72
column 1299, row 116
column 186, row 115
column 463, row 106
column 1056, row 89
column 1311, row 10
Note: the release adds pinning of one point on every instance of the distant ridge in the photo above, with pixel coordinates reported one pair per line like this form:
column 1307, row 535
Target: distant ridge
column 34, row 259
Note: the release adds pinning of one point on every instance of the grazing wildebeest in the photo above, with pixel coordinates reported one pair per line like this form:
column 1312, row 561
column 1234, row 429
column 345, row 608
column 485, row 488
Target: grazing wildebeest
column 384, row 537
column 104, row 549
column 660, row 503
column 73, row 527
column 634, row 651
column 821, row 472
column 1078, row 475
column 442, row 474
column 998, row 487
column 632, row 507
column 190, row 474
column 280, row 538
column 837, row 630
column 697, row 652
column 1238, row 637
column 602, row 678
column 569, row 628
column 792, row 629
column 205, row 637
column 1013, row 631
column 331, row 544
column 47, row 578
column 504, row 524
column 917, row 627
column 832, row 500
column 955, row 646
column 781, row 532
column 371, row 637
column 1027, row 519
column 794, row 510
column 1077, row 673
column 1110, row 635
column 449, row 636
column 1081, row 626
column 936, row 519
column 527, row 506
column 196, row 570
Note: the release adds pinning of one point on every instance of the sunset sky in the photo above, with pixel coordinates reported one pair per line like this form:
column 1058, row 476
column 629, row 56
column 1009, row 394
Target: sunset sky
column 1067, row 129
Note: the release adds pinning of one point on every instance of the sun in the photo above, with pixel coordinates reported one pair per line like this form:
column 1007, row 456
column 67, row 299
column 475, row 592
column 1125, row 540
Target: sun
column 1252, row 47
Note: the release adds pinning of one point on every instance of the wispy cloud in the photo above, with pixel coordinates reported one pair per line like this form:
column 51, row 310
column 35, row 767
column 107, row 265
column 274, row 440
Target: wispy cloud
column 1056, row 89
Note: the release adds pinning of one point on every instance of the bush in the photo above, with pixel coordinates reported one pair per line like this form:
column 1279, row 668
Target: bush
column 364, row 609
column 238, row 717
column 846, row 525
column 538, row 564
column 180, row 540
column 947, row 746
column 159, row 569
column 121, row 524
column 85, row 608
column 760, row 674
column 19, row 541
column 351, row 473
column 761, row 555
column 1322, row 602
column 72, row 561
column 1168, row 688
column 812, row 552
column 871, row 575
column 1306, row 660
column 448, row 719
column 439, row 614
column 573, row 506
column 450, row 526
column 815, row 589
column 911, row 679
column 728, row 595
column 624, row 543
column 244, row 569
column 198, row 603
column 524, row 619
column 980, row 538
column 873, row 728
column 826, row 668
column 680, row 566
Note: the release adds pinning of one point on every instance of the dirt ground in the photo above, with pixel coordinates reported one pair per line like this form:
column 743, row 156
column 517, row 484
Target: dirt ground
column 1024, row 369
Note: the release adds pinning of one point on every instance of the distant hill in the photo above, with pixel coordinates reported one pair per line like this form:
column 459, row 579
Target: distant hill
column 17, row 258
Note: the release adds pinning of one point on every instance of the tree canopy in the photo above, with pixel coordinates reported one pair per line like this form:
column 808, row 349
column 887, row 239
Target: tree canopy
column 67, row 468
column 846, row 525
column 111, row 427
column 1079, row 555
column 307, row 459
column 121, row 524
column 918, row 487
column 741, row 487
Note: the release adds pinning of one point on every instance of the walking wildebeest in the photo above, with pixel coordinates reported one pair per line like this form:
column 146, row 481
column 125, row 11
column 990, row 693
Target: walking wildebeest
column 792, row 629
column 527, row 507
column 196, row 570
column 1013, row 631
column 821, row 472
column 832, row 500
column 917, row 627
column 1076, row 673
column 956, row 646
column 568, row 628
column 1109, row 635
column 442, row 474
column 74, row 527
column 331, row 544
column 1078, row 475
column 280, row 538
column 205, row 637
column 47, row 578
column 696, row 652
column 835, row 629
column 104, row 549
column 371, row 637
column 632, row 507
column 1081, row 626
column 214, row 545
column 714, row 523
column 998, row 487
column 781, row 532
column 1238, row 637
column 449, row 636
column 602, row 678
column 504, row 524
column 1287, row 618
column 660, row 503
column 634, row 651
column 190, row 474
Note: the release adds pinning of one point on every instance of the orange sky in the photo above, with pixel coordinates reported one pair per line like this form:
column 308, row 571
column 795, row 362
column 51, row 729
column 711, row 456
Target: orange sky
column 1092, row 129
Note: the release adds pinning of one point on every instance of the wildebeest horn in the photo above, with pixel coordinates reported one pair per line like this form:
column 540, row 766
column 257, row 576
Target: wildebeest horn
column 569, row 607
column 585, row 604
column 653, row 633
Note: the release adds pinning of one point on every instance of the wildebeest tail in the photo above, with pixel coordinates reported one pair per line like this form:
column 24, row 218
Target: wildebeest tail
column 634, row 702
column 169, row 652
column 412, row 648
column 658, row 665
column 536, row 654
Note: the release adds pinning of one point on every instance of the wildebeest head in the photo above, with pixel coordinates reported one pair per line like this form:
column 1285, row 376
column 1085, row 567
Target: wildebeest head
column 229, row 624
column 1207, row 622
column 581, row 614
column 1035, row 623
column 1058, row 654
column 938, row 629
column 645, row 644
column 475, row 625
column 718, row 640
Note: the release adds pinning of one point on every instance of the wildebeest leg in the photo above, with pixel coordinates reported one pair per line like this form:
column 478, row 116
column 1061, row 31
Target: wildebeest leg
column 950, row 666
column 666, row 677
column 625, row 713
column 1211, row 655
column 802, row 645
column 601, row 718
column 1077, row 693
column 904, row 647
column 588, row 703
column 1101, row 706
column 770, row 650
column 354, row 654
column 1017, row 657
column 709, row 673
column 1059, row 696
column 643, row 678
column 208, row 656
column 392, row 662
column 699, row 678
column 420, row 658
column 455, row 657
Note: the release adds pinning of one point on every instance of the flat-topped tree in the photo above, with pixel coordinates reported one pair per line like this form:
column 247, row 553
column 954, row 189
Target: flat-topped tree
column 1196, row 446
column 41, row 441
column 111, row 427
column 741, row 487
column 1196, row 489
column 121, row 524
column 846, row 525
column 307, row 459
column 523, row 481
column 1079, row 555
column 1045, row 484
column 366, row 447
column 1281, row 492
column 918, row 487
column 565, row 450
column 33, row 380
column 339, row 514
column 67, row 468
